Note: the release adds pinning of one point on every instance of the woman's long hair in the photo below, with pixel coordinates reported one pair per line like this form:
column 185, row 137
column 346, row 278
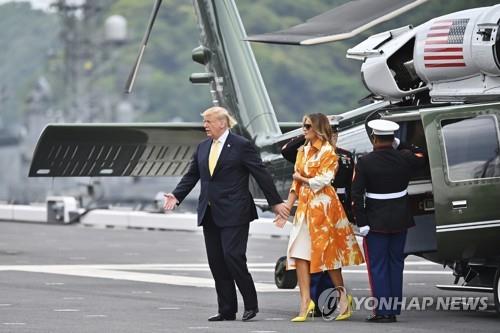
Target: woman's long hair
column 321, row 125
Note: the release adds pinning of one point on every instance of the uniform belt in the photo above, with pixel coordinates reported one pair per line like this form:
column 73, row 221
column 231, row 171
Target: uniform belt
column 341, row 190
column 386, row 196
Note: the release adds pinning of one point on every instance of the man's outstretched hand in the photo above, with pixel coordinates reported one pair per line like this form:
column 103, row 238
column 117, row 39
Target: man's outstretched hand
column 170, row 201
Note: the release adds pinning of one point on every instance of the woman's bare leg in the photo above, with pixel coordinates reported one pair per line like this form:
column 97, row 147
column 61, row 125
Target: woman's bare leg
column 304, row 281
column 338, row 281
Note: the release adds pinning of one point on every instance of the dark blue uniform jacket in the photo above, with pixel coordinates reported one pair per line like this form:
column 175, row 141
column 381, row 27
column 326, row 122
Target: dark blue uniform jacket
column 384, row 170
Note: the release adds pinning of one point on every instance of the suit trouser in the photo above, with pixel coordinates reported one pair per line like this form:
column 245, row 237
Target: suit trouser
column 226, row 252
column 384, row 254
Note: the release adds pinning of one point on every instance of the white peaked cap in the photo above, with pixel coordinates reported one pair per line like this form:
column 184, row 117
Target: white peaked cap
column 383, row 127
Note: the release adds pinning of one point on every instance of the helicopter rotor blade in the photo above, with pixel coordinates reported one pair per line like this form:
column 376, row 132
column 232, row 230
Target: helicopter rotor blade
column 133, row 73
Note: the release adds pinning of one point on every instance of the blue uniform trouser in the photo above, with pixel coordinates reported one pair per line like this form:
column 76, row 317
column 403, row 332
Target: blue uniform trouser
column 384, row 254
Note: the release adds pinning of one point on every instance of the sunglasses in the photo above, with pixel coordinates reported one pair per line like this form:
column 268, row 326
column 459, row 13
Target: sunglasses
column 307, row 126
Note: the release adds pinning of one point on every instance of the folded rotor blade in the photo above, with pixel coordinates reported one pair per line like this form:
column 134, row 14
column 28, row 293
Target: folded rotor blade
column 339, row 23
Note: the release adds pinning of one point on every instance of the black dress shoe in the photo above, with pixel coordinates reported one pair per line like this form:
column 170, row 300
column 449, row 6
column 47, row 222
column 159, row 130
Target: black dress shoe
column 249, row 314
column 381, row 319
column 220, row 317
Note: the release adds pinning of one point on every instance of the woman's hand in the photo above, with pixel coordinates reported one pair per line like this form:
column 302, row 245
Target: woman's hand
column 280, row 222
column 297, row 176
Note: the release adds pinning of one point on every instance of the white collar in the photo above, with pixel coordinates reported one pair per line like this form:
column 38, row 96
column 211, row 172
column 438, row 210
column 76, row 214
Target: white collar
column 222, row 139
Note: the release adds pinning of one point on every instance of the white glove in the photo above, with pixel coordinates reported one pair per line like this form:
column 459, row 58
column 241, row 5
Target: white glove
column 363, row 231
column 395, row 143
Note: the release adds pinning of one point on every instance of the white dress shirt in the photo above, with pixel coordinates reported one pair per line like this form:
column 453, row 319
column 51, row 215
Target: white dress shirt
column 222, row 139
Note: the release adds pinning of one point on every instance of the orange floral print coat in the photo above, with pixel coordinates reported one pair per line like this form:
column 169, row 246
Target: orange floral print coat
column 333, row 244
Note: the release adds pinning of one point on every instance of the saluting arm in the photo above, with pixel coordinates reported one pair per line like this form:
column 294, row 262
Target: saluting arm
column 417, row 159
column 289, row 150
column 416, row 155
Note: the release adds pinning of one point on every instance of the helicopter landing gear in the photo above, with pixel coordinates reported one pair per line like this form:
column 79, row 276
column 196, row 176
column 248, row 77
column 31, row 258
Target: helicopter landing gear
column 284, row 279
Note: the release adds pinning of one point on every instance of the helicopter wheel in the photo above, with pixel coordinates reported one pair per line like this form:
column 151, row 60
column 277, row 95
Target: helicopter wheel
column 284, row 279
column 496, row 291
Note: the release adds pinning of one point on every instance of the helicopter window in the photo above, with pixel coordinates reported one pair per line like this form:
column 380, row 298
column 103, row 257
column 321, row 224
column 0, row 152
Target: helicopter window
column 472, row 148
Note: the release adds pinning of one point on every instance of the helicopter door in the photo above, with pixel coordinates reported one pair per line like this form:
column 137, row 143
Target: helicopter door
column 464, row 155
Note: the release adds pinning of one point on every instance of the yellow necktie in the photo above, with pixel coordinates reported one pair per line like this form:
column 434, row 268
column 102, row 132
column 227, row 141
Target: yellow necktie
column 214, row 156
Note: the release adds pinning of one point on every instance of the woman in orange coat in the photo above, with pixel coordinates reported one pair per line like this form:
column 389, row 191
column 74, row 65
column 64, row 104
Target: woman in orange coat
column 322, row 238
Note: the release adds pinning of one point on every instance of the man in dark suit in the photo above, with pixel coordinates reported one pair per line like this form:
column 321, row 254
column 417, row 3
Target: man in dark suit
column 223, row 163
column 381, row 210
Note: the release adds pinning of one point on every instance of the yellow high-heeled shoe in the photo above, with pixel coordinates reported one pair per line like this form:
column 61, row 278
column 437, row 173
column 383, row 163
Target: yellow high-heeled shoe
column 348, row 313
column 309, row 311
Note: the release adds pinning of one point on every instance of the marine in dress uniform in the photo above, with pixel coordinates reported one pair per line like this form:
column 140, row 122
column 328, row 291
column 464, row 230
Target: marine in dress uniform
column 381, row 210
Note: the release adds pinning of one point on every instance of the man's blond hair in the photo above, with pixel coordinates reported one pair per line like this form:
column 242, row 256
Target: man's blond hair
column 221, row 114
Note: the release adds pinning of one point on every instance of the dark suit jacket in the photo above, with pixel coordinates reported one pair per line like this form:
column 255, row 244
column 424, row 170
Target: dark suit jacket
column 231, row 203
column 385, row 170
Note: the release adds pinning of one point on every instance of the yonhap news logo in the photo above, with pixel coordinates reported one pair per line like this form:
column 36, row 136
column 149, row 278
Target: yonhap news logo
column 330, row 306
column 328, row 303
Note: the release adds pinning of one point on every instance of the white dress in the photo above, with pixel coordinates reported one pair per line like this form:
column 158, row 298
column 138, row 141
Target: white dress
column 299, row 245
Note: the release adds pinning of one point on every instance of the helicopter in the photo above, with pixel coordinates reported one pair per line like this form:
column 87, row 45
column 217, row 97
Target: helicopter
column 440, row 81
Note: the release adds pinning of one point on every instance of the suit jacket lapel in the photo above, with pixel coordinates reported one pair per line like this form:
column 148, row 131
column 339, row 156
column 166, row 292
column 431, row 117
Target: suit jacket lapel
column 204, row 152
column 225, row 150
